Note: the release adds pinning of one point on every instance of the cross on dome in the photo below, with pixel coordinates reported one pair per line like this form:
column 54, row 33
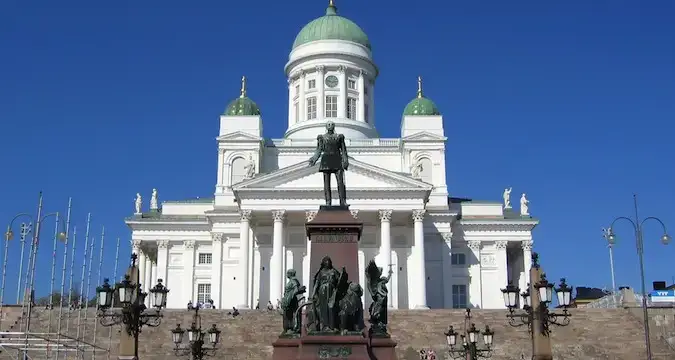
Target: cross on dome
column 419, row 87
column 243, row 87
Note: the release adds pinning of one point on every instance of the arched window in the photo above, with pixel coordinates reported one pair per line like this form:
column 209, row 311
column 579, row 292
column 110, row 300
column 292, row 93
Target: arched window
column 426, row 174
column 238, row 170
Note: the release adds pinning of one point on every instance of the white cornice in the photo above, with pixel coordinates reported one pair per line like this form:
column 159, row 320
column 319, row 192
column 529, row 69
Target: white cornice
column 497, row 225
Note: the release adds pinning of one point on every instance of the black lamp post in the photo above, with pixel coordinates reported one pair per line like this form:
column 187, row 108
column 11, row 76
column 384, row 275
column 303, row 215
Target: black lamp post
column 197, row 339
column 469, row 341
column 544, row 291
column 133, row 313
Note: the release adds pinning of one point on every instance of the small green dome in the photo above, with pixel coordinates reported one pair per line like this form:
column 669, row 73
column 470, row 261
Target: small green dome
column 331, row 27
column 421, row 106
column 242, row 106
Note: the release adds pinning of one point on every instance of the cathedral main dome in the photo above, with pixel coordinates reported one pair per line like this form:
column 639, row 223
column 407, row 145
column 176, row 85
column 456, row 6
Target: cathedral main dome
column 331, row 27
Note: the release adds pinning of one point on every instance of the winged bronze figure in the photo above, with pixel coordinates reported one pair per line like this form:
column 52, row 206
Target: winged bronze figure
column 377, row 286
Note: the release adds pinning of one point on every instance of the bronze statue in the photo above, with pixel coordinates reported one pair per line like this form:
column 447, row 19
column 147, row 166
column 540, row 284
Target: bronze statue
column 333, row 152
column 377, row 286
column 326, row 294
column 351, row 309
column 290, row 303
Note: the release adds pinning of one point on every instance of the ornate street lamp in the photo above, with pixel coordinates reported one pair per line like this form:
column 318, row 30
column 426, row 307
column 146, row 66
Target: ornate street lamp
column 639, row 242
column 200, row 344
column 544, row 291
column 133, row 313
column 468, row 349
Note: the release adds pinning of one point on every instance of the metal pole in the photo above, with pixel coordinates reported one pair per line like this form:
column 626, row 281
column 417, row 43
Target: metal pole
column 36, row 239
column 611, row 266
column 640, row 249
column 114, row 276
column 51, row 284
column 84, row 268
column 4, row 273
column 22, row 240
column 70, row 281
column 100, row 263
column 63, row 276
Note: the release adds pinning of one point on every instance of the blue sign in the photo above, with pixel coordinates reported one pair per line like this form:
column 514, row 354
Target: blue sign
column 662, row 295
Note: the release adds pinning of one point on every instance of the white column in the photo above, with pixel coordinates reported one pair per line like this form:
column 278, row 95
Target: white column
column 141, row 268
column 307, row 272
column 244, row 231
column 447, row 264
column 163, row 261
column 418, row 220
column 371, row 104
column 276, row 274
column 147, row 280
column 342, row 98
column 527, row 264
column 361, row 106
column 217, row 268
column 221, row 160
column 291, row 115
column 188, row 271
column 302, row 108
column 502, row 265
column 154, row 272
column 321, row 98
column 385, row 247
column 475, row 295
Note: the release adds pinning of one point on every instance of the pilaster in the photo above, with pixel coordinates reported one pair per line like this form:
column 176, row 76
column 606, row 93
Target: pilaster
column 217, row 268
column 475, row 296
column 321, row 88
column 188, row 271
column 163, row 261
column 342, row 98
column 421, row 293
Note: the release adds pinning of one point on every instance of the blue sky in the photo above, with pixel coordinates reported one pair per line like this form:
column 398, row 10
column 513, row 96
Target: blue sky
column 569, row 101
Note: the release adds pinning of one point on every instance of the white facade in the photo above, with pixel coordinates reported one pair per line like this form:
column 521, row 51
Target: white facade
column 234, row 248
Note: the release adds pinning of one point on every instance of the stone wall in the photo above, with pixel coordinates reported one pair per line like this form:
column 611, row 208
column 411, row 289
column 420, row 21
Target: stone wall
column 593, row 334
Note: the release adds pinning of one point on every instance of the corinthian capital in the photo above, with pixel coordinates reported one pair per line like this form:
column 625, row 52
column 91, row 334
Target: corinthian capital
column 246, row 215
column 278, row 215
column 501, row 245
column 385, row 215
column 310, row 215
column 526, row 245
column 474, row 245
column 189, row 244
column 163, row 244
column 320, row 68
column 217, row 237
column 418, row 215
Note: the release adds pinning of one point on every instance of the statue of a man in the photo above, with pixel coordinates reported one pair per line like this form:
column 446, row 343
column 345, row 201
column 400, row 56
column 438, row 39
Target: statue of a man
column 291, row 302
column 416, row 171
column 154, row 202
column 138, row 203
column 507, row 198
column 325, row 299
column 524, row 206
column 250, row 168
column 333, row 152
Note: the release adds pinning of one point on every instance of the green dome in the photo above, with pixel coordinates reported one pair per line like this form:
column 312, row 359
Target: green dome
column 331, row 27
column 242, row 106
column 421, row 106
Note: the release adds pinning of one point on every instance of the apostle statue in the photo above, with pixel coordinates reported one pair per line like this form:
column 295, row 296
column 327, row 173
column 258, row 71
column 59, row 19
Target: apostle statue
column 377, row 286
column 326, row 295
column 507, row 198
column 250, row 167
column 290, row 304
column 332, row 150
column 138, row 203
column 524, row 206
column 154, row 202
column 416, row 171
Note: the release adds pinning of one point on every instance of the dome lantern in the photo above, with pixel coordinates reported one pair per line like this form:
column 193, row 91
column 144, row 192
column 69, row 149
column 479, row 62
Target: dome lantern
column 242, row 106
column 420, row 105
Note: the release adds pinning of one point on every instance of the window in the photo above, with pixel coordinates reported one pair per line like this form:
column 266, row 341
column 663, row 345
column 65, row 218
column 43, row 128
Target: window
column 311, row 84
column 458, row 259
column 459, row 296
column 331, row 106
column 311, row 108
column 365, row 112
column 203, row 293
column 205, row 258
column 296, row 111
column 238, row 170
column 297, row 90
column 351, row 84
column 351, row 108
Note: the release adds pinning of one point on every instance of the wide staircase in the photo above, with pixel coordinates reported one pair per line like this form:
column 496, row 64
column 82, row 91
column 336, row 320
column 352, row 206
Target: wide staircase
column 594, row 334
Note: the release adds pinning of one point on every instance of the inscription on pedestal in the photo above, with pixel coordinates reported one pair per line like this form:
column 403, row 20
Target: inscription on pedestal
column 334, row 238
column 334, row 352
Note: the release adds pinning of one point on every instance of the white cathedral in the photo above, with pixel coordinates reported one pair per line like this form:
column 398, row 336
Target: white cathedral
column 234, row 248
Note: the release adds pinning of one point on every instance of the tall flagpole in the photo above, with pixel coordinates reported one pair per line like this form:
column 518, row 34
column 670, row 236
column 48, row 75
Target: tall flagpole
column 84, row 268
column 63, row 276
column 34, row 245
column 70, row 280
column 113, row 277
column 100, row 264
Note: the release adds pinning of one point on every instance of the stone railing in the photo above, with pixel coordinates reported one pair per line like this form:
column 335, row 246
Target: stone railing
column 350, row 142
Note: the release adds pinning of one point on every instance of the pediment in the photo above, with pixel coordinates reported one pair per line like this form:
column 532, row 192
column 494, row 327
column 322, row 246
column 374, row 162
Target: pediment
column 424, row 136
column 360, row 176
column 238, row 136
